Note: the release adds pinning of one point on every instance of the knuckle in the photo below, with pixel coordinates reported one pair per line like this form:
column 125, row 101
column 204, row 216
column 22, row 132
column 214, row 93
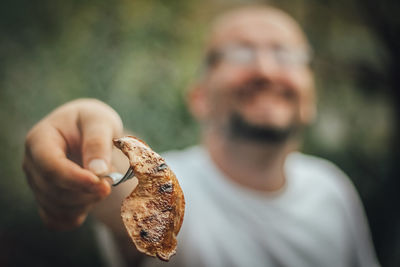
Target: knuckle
column 31, row 136
column 96, row 147
column 109, row 115
column 29, row 141
column 33, row 139
column 94, row 142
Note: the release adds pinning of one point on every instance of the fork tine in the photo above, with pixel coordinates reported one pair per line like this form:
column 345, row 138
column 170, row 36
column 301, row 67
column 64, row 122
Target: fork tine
column 128, row 175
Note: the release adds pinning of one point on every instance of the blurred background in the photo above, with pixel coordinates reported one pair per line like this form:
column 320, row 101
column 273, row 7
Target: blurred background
column 140, row 57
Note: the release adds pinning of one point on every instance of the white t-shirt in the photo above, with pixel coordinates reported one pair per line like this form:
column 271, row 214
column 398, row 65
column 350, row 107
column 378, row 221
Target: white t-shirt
column 315, row 220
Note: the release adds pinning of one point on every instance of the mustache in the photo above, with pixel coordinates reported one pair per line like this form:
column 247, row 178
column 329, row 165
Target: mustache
column 240, row 128
column 256, row 85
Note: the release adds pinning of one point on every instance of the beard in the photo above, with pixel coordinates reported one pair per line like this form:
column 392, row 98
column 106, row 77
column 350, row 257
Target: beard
column 239, row 128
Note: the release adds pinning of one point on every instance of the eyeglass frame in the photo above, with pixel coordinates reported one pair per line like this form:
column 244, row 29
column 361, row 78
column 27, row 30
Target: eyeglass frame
column 300, row 57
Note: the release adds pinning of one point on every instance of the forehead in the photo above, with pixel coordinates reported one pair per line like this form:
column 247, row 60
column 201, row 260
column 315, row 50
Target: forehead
column 257, row 27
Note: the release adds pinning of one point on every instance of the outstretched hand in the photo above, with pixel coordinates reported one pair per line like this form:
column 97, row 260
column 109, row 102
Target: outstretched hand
column 64, row 155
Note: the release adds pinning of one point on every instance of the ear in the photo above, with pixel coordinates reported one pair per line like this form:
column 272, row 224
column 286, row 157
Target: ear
column 197, row 101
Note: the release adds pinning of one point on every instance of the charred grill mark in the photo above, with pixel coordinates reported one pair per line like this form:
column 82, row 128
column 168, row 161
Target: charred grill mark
column 148, row 237
column 144, row 234
column 163, row 166
column 166, row 188
column 154, row 227
column 168, row 208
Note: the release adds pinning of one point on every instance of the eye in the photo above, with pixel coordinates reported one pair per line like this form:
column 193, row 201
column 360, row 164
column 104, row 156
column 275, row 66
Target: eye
column 283, row 55
column 290, row 57
column 239, row 54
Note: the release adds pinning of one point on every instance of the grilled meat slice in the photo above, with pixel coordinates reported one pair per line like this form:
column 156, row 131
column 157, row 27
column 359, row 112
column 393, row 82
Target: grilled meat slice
column 153, row 212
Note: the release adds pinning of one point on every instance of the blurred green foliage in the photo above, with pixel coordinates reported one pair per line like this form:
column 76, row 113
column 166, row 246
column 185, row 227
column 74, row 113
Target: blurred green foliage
column 140, row 57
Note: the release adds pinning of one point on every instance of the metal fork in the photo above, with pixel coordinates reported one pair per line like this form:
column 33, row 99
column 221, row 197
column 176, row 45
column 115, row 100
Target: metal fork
column 118, row 178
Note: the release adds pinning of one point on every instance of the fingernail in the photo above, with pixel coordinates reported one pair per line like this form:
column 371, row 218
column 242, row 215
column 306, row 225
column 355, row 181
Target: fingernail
column 98, row 166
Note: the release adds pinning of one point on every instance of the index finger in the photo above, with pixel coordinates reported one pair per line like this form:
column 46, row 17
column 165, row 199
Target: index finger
column 47, row 149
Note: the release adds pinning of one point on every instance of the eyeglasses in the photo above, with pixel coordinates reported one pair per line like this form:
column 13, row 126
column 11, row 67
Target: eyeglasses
column 246, row 55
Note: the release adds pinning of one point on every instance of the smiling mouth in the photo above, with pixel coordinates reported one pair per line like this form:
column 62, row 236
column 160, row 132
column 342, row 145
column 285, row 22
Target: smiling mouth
column 251, row 89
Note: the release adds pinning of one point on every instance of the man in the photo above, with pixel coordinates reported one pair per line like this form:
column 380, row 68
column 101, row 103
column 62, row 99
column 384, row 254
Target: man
column 251, row 200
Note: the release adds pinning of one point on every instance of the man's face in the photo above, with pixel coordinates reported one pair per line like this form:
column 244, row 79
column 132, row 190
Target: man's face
column 260, row 79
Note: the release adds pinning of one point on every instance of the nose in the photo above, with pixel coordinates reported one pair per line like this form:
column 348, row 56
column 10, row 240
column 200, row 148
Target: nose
column 266, row 65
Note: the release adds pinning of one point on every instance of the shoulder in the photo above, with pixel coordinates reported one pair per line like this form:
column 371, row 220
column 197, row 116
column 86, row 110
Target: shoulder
column 320, row 174
column 327, row 185
column 184, row 157
column 312, row 165
column 336, row 193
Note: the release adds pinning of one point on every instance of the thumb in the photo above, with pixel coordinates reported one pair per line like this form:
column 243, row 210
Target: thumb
column 97, row 147
column 97, row 134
